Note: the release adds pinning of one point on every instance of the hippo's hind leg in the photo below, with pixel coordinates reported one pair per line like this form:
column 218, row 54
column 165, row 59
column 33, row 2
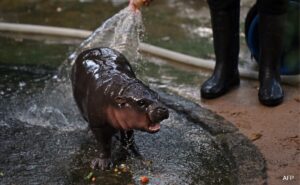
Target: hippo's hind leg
column 103, row 137
column 128, row 143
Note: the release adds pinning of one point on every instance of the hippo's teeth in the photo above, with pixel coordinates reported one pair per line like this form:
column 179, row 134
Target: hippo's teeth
column 154, row 127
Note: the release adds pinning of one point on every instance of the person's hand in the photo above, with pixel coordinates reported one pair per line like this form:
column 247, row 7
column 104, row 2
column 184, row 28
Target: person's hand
column 147, row 2
column 136, row 4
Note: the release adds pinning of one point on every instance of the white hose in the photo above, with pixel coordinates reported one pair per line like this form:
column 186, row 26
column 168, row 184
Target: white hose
column 45, row 30
column 147, row 48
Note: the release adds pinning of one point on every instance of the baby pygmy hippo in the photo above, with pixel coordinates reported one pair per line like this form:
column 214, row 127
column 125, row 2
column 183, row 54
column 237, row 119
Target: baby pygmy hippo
column 111, row 99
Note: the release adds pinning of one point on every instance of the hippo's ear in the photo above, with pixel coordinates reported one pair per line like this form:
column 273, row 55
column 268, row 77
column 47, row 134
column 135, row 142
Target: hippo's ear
column 120, row 100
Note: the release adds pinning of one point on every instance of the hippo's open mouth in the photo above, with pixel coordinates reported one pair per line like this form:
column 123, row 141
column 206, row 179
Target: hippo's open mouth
column 153, row 127
column 155, row 116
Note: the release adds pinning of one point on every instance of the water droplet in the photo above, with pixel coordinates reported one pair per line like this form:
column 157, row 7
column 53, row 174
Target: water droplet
column 58, row 9
column 22, row 84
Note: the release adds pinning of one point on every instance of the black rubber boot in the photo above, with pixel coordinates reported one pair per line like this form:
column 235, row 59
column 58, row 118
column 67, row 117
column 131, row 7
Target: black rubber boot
column 271, row 31
column 225, row 25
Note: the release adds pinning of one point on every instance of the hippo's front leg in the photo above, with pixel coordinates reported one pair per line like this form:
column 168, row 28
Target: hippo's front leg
column 127, row 139
column 103, row 136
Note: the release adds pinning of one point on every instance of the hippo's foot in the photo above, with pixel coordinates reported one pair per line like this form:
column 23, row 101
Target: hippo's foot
column 101, row 163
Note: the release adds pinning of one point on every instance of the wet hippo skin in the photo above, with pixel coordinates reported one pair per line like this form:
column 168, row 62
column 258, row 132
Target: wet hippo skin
column 112, row 99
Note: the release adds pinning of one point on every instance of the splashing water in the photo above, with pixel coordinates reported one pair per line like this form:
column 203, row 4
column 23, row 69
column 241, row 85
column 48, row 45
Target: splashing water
column 54, row 107
column 51, row 108
column 121, row 32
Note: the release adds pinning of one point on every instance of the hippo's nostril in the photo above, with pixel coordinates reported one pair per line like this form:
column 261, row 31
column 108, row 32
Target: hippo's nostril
column 162, row 112
column 159, row 114
column 159, row 110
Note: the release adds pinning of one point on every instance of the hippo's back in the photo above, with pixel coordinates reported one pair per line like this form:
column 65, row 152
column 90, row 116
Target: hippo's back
column 98, row 60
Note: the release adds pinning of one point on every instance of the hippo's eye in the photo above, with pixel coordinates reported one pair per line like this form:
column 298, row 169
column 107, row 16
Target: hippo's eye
column 141, row 103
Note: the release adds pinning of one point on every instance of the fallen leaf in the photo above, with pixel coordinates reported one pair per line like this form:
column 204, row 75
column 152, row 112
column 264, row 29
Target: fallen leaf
column 89, row 176
column 255, row 136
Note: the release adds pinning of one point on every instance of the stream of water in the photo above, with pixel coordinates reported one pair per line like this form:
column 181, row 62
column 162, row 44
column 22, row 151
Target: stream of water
column 121, row 32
